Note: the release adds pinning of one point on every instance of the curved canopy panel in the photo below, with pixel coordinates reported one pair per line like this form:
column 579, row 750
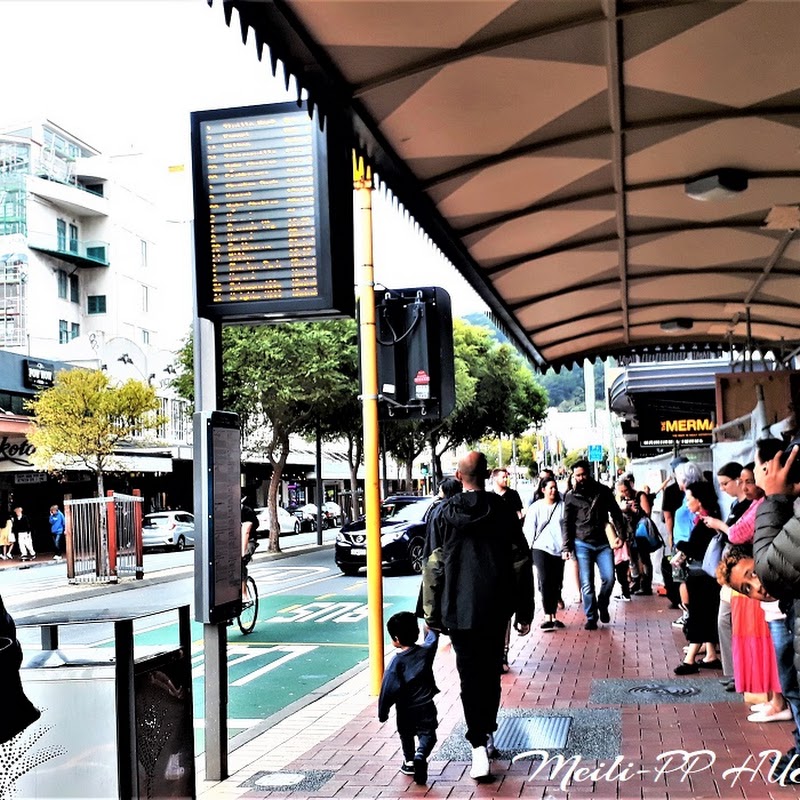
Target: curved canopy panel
column 608, row 175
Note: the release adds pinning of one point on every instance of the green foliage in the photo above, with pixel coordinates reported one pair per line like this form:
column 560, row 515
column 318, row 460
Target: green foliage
column 496, row 394
column 566, row 388
column 83, row 418
column 284, row 379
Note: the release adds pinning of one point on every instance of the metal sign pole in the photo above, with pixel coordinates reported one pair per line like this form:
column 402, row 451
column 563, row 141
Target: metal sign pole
column 215, row 635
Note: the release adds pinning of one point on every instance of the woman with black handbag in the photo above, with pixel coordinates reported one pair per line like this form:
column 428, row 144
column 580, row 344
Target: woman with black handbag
column 702, row 590
column 542, row 529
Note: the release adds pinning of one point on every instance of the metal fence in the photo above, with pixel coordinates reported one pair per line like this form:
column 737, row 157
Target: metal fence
column 104, row 538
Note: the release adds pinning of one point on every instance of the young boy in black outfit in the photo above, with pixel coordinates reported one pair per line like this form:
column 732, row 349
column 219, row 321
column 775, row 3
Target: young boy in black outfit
column 408, row 684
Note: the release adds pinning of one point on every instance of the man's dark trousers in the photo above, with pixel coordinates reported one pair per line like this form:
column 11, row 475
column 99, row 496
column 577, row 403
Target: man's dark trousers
column 479, row 660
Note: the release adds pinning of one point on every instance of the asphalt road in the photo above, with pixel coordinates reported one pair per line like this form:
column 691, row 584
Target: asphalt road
column 311, row 629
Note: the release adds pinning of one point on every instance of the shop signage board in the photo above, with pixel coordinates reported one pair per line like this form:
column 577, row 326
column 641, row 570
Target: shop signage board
column 668, row 428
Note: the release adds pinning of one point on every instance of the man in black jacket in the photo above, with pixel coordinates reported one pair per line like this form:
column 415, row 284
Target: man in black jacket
column 477, row 575
column 776, row 548
column 587, row 508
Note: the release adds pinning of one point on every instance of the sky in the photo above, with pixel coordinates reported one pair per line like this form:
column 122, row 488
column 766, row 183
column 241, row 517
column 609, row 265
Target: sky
column 124, row 75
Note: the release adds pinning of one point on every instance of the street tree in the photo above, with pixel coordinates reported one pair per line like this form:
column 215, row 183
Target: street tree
column 281, row 380
column 82, row 420
column 496, row 394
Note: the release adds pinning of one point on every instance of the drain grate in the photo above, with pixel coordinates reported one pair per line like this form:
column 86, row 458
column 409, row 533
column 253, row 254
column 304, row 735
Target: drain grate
column 531, row 733
column 667, row 691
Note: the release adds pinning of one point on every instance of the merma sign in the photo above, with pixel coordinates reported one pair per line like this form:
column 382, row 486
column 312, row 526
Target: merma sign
column 687, row 425
column 665, row 428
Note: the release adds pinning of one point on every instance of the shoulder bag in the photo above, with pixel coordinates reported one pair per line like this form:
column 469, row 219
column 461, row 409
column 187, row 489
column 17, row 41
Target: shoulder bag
column 648, row 537
column 713, row 554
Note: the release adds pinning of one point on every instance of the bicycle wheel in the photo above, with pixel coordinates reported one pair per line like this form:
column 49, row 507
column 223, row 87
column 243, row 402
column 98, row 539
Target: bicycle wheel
column 249, row 613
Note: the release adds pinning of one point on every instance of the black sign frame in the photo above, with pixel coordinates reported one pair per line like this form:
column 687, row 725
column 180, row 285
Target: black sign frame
column 38, row 374
column 333, row 222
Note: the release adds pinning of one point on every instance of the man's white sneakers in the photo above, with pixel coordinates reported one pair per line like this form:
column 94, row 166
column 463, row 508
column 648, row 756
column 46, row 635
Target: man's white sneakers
column 480, row 763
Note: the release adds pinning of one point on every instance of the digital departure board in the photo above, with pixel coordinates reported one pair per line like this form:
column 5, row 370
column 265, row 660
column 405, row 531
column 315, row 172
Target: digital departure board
column 273, row 215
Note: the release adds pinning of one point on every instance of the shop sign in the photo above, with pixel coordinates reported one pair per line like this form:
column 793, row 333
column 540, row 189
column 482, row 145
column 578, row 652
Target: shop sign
column 30, row 477
column 38, row 374
column 15, row 452
column 667, row 429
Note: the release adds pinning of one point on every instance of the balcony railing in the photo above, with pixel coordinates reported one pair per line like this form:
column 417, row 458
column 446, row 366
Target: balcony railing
column 76, row 251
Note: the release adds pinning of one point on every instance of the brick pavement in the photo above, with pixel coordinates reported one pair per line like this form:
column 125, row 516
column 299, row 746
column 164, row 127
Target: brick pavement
column 337, row 748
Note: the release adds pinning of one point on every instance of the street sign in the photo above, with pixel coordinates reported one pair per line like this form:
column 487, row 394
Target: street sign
column 595, row 452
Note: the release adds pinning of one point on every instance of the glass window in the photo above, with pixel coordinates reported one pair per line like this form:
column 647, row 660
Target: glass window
column 74, row 331
column 63, row 331
column 73, row 238
column 145, row 298
column 145, row 337
column 61, row 230
column 74, row 289
column 96, row 304
column 144, row 252
column 62, row 284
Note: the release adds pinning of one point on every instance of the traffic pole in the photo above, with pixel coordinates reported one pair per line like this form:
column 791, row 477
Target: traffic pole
column 362, row 185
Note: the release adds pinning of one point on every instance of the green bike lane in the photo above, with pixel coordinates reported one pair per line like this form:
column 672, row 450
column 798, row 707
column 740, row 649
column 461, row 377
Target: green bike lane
column 300, row 643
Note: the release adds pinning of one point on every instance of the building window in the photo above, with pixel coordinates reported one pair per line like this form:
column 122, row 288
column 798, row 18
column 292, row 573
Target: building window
column 144, row 252
column 62, row 284
column 74, row 331
column 96, row 304
column 145, row 298
column 61, row 234
column 74, row 289
column 145, row 337
column 73, row 238
column 63, row 331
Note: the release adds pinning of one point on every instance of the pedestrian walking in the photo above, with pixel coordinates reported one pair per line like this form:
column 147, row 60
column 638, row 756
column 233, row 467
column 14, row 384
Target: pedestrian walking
column 22, row 530
column 587, row 509
column 57, row 527
column 409, row 686
column 7, row 538
column 477, row 576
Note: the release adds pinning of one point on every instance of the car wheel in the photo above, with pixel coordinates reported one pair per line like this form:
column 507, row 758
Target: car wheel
column 416, row 548
column 349, row 571
column 297, row 527
column 180, row 544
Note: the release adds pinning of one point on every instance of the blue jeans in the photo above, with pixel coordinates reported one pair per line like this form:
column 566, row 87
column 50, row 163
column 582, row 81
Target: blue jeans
column 588, row 555
column 783, row 642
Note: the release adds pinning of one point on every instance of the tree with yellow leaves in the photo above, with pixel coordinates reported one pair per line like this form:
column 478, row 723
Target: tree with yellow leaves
column 82, row 419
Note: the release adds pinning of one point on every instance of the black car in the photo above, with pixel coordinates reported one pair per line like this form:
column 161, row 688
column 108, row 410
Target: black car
column 403, row 520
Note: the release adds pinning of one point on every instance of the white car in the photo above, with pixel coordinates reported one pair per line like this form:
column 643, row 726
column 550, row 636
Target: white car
column 288, row 523
column 168, row 529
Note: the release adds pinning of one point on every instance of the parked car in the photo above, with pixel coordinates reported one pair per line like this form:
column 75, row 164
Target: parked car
column 308, row 516
column 168, row 529
column 403, row 521
column 288, row 523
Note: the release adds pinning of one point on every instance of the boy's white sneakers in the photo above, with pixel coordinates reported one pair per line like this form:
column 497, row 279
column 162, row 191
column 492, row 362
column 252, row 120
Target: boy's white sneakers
column 480, row 763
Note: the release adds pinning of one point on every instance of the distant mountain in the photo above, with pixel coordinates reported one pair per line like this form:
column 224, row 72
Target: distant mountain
column 487, row 321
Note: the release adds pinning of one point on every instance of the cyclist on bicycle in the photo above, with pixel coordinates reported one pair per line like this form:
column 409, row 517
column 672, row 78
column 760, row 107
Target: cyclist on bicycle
column 249, row 542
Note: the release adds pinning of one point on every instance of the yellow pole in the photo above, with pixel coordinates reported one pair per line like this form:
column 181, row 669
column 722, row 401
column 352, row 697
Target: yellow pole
column 362, row 184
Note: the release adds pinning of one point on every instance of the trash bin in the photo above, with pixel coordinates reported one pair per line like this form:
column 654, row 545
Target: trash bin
column 115, row 723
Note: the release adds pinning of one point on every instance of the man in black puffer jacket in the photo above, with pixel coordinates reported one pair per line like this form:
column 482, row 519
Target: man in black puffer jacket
column 776, row 549
column 478, row 575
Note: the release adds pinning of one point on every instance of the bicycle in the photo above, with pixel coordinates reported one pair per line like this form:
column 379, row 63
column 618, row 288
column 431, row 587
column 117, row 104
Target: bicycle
column 249, row 613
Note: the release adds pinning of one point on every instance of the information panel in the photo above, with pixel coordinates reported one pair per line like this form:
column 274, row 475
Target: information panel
column 266, row 240
column 218, row 517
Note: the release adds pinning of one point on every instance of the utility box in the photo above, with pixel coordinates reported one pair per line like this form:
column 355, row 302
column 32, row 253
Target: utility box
column 112, row 725
column 414, row 328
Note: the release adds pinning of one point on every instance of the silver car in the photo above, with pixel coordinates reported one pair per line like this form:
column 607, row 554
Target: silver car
column 168, row 529
column 288, row 523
